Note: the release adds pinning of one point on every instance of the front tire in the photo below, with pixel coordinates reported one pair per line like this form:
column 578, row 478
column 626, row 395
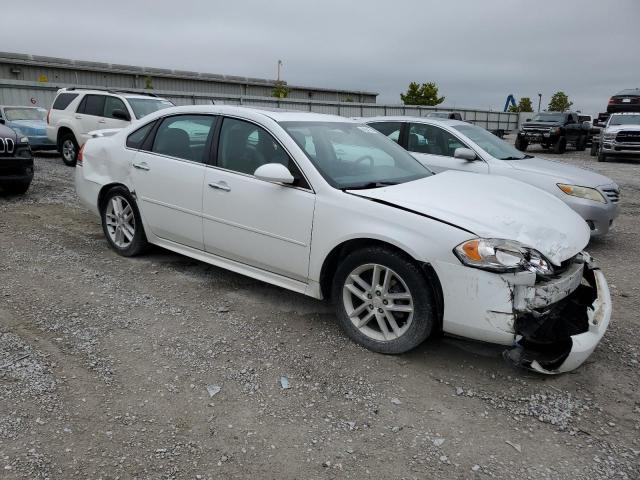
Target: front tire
column 69, row 149
column 594, row 149
column 581, row 144
column 383, row 301
column 521, row 144
column 122, row 224
column 601, row 156
column 560, row 146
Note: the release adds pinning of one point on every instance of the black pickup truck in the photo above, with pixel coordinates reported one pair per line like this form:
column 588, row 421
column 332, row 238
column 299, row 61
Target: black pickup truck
column 554, row 130
column 16, row 162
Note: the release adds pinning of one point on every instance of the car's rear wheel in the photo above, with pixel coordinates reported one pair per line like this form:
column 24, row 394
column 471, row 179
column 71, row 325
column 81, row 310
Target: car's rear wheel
column 68, row 149
column 383, row 300
column 17, row 188
column 121, row 223
column 560, row 146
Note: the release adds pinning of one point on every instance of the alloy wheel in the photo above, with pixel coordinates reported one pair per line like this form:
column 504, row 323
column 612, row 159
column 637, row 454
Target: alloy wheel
column 69, row 150
column 378, row 302
column 120, row 221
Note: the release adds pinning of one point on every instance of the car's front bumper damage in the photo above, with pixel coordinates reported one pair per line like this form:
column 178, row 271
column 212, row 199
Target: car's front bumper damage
column 559, row 323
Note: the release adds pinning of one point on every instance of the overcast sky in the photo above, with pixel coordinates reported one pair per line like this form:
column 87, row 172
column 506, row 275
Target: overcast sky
column 477, row 51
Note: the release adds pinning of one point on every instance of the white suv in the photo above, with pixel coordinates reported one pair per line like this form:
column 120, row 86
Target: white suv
column 76, row 112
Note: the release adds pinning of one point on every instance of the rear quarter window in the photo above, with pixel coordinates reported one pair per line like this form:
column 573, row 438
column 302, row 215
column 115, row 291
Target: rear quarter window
column 63, row 100
column 137, row 138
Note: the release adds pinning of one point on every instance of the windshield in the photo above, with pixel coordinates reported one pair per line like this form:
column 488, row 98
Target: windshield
column 548, row 117
column 13, row 114
column 490, row 143
column 144, row 106
column 624, row 120
column 349, row 155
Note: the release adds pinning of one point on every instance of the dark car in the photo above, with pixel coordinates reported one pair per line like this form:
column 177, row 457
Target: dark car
column 554, row 130
column 16, row 162
column 625, row 101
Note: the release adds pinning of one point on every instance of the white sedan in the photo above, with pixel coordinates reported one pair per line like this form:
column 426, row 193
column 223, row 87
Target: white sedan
column 330, row 208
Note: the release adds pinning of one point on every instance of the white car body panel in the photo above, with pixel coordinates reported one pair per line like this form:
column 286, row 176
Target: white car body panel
column 283, row 235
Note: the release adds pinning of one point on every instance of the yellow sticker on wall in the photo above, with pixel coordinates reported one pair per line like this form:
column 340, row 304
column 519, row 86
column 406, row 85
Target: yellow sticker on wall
column 43, row 78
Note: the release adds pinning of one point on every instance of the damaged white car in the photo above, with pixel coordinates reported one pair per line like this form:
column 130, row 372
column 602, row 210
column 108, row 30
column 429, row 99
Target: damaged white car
column 329, row 207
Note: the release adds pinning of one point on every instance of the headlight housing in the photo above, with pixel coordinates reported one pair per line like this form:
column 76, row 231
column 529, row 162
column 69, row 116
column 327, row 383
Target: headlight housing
column 24, row 140
column 499, row 255
column 582, row 192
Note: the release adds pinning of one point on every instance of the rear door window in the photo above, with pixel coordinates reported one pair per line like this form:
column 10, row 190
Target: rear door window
column 63, row 100
column 136, row 139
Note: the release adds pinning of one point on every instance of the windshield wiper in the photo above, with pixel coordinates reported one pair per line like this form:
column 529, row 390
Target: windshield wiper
column 365, row 186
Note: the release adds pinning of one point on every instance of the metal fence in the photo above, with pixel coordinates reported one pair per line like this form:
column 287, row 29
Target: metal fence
column 16, row 92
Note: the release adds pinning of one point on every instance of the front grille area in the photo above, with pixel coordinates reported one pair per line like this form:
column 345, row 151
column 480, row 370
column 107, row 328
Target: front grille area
column 612, row 194
column 630, row 136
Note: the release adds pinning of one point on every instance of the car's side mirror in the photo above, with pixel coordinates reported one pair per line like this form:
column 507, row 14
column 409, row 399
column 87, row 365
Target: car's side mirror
column 274, row 172
column 465, row 154
column 120, row 115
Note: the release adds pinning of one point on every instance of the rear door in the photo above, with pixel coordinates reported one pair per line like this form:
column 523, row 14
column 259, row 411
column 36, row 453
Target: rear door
column 89, row 112
column 434, row 147
column 168, row 173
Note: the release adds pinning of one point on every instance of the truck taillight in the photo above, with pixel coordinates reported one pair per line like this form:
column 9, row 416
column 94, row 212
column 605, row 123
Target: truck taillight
column 80, row 156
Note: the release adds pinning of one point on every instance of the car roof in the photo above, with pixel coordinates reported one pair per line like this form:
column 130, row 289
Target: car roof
column 429, row 120
column 629, row 91
column 624, row 113
column 114, row 91
column 277, row 115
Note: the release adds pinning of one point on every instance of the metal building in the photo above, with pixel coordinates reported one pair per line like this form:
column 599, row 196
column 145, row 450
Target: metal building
column 62, row 71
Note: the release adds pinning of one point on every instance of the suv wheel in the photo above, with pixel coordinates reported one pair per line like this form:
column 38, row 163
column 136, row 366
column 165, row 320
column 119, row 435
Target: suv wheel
column 383, row 301
column 521, row 144
column 560, row 146
column 68, row 149
column 122, row 224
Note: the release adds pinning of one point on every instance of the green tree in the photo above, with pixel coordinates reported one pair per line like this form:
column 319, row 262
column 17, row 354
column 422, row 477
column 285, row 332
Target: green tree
column 280, row 89
column 425, row 94
column 148, row 83
column 559, row 102
column 524, row 105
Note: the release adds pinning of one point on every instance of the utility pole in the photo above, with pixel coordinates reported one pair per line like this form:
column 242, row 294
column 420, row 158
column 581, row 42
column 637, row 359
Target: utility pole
column 279, row 65
column 539, row 101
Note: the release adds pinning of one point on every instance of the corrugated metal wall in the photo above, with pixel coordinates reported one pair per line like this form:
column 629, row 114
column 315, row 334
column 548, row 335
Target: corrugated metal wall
column 32, row 93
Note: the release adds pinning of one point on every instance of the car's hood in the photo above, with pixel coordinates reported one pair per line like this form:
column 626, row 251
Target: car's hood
column 561, row 172
column 493, row 207
column 541, row 124
column 39, row 125
column 6, row 132
column 621, row 128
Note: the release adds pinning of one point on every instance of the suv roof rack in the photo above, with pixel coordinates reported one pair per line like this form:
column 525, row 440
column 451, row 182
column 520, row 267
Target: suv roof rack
column 112, row 90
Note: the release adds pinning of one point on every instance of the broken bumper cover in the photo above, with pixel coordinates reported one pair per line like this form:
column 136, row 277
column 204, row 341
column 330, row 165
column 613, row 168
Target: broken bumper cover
column 560, row 336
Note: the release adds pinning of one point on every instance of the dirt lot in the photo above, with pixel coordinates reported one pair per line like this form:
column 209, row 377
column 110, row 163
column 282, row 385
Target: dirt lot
column 105, row 363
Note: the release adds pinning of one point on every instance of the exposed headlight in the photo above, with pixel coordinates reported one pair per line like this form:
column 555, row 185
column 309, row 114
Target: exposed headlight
column 498, row 255
column 582, row 192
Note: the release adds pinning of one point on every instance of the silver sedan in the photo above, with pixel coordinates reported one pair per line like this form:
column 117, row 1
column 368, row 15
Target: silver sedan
column 454, row 145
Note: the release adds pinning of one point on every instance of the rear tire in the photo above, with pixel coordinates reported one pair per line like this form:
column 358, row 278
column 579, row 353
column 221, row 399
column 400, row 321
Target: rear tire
column 581, row 144
column 17, row 188
column 122, row 224
column 560, row 146
column 383, row 301
column 68, row 148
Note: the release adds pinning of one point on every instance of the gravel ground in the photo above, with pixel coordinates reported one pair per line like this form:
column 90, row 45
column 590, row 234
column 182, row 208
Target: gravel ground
column 106, row 364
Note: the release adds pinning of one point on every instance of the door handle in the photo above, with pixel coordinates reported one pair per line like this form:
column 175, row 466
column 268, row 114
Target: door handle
column 220, row 186
column 141, row 166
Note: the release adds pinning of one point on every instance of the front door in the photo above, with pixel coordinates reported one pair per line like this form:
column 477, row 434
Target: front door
column 89, row 111
column 168, row 178
column 435, row 147
column 255, row 222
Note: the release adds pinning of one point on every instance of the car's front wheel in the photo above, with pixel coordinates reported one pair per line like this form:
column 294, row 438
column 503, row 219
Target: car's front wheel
column 121, row 223
column 560, row 146
column 383, row 300
column 601, row 156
